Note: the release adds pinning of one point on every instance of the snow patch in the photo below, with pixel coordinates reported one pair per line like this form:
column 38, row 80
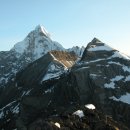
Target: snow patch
column 110, row 85
column 117, row 63
column 123, row 98
column 90, row 106
column 117, row 78
column 51, row 76
column 100, row 48
column 127, row 78
column 92, row 61
column 57, row 124
column 94, row 76
column 54, row 71
column 79, row 113
column 82, row 68
column 120, row 55
column 125, row 68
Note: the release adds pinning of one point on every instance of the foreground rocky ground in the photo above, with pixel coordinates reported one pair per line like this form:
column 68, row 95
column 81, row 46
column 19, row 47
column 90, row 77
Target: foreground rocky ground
column 72, row 118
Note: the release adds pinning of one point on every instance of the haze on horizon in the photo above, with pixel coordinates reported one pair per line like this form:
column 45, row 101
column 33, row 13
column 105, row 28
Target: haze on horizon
column 70, row 22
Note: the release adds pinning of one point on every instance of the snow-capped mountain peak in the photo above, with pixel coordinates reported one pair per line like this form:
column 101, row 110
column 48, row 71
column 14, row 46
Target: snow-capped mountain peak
column 36, row 44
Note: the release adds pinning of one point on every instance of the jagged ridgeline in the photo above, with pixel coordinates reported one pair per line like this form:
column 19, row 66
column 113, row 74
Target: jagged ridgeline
column 47, row 87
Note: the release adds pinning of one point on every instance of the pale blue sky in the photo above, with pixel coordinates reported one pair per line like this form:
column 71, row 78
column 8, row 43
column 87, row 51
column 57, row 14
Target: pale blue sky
column 70, row 22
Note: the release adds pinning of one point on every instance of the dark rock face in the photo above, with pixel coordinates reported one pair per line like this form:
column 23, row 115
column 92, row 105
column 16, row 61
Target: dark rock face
column 33, row 81
column 51, row 88
column 102, row 78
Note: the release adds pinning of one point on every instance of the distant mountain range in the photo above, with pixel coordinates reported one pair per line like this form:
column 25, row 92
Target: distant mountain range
column 45, row 86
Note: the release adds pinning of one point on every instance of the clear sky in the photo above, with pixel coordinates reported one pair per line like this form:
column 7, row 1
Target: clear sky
column 70, row 22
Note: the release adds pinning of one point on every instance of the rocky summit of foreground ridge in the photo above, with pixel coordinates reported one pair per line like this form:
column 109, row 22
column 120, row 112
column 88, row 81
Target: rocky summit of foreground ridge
column 59, row 90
